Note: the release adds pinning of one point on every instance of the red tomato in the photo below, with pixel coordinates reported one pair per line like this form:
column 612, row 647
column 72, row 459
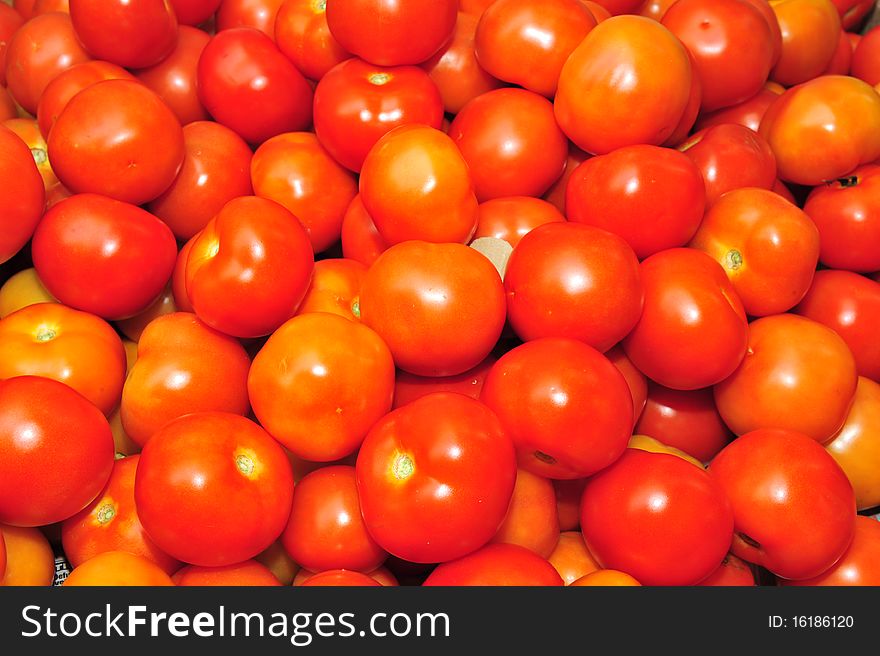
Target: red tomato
column 130, row 33
column 526, row 42
column 628, row 82
column 572, row 280
column 513, row 217
column 421, row 298
column 194, row 12
column 10, row 21
column 496, row 564
column 782, row 522
column 250, row 267
column 865, row 58
column 567, row 409
column 56, row 451
column 655, row 8
column 392, row 33
column 336, row 285
column 361, row 240
column 657, row 518
column 103, row 256
column 213, row 489
column 852, row 12
column 635, row 379
column 532, row 521
column 24, row 7
column 340, row 578
column 118, row 568
column 842, row 60
column 860, row 563
column 616, row 7
column 258, row 14
column 247, row 84
column 797, row 375
column 247, row 573
column 295, row 170
column 691, row 109
column 302, row 34
column 48, row 6
column 652, row 197
column 22, row 194
column 568, row 503
column 748, row 113
column 178, row 278
column 409, row 387
column 693, row 331
column 556, row 194
column 8, row 108
column 810, row 32
column 511, row 143
column 326, row 530
column 732, row 571
column 435, row 478
column 133, row 327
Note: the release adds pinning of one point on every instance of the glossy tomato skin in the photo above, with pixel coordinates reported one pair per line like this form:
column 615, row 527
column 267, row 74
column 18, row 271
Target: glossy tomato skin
column 797, row 375
column 249, row 268
column 258, row 14
column 693, row 331
column 606, row 578
column 10, row 21
column 532, row 520
column 421, row 298
column 652, row 197
column 512, row 217
column 22, row 194
column 118, row 568
column 340, row 578
column 793, row 507
column 657, row 518
column 864, row 58
column 859, row 563
column 747, row 113
column 8, row 108
column 567, row 409
column 247, row 573
column 810, row 31
column 302, row 34
column 103, row 256
column 335, row 288
column 409, row 387
column 496, row 564
column 228, row 67
column 213, row 489
column 56, row 451
column 732, row 571
column 194, row 12
column 360, row 238
column 435, row 478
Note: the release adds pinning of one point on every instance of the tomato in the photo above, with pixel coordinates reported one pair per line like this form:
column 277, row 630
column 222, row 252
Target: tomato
column 767, row 246
column 494, row 565
column 568, row 502
column 628, row 82
column 617, row 7
column 277, row 560
column 319, row 383
column 606, row 578
column 531, row 521
column 21, row 290
column 118, row 568
column 511, row 143
column 258, row 14
column 748, row 113
column 842, row 60
column 526, row 42
column 340, row 578
column 247, row 573
column 732, row 571
column 103, row 256
column 10, row 21
column 248, row 85
column 360, row 238
column 194, row 12
column 556, row 194
column 28, row 131
column 732, row 45
column 655, row 9
column 56, row 451
column 48, row 6
column 295, row 170
column 794, row 509
column 250, row 267
column 336, row 284
column 29, row 558
column 178, row 278
column 130, row 33
column 119, row 139
column 24, row 7
column 513, row 217
column 852, row 11
column 392, row 33
column 302, row 34
column 864, row 58
column 22, row 194
column 567, row 409
column 474, row 8
column 8, row 109
column 571, row 559
column 409, row 387
column 326, row 530
column 810, row 32
column 859, row 563
column 646, row 443
column 381, row 575
column 652, row 197
column 847, row 213
column 134, row 326
column 798, row 375
column 691, row 108
column 435, row 478
column 635, row 379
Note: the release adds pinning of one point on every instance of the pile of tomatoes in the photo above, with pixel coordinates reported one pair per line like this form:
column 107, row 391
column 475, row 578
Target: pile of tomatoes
column 512, row 292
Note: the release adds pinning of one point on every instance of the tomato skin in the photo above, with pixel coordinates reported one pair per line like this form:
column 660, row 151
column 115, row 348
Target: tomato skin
column 118, row 568
column 435, row 478
column 512, row 217
column 496, row 564
column 864, row 58
column 361, row 240
column 21, row 290
column 247, row 573
column 810, row 32
column 635, row 379
column 8, row 108
column 657, row 518
column 852, row 12
column 693, row 331
column 447, row 290
column 249, row 268
column 75, row 263
column 732, row 571
column 336, row 284
column 258, row 14
column 606, row 578
column 794, row 509
column 859, row 563
column 178, row 278
column 302, row 34
column 28, row 131
column 229, row 64
column 617, row 7
column 571, row 559
column 565, row 406
column 194, row 12
column 409, row 387
column 597, row 111
column 319, row 383
column 10, row 21
column 392, row 33
column 652, row 197
column 511, row 143
column 30, row 560
column 56, row 451
column 652, row 445
column 748, row 113
column 531, row 521
column 340, row 578
column 22, row 197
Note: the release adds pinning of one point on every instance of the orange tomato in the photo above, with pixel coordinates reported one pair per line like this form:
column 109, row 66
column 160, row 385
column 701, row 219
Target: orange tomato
column 607, row 578
column 29, row 558
column 122, row 442
column 247, row 573
column 532, row 521
column 302, row 34
column 118, row 568
column 22, row 289
column 810, row 33
column 571, row 558
column 335, row 286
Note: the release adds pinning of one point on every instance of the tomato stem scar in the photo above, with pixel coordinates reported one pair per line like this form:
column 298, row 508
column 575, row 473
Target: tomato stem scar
column 45, row 334
column 733, row 259
column 106, row 513
column 245, row 464
column 403, row 467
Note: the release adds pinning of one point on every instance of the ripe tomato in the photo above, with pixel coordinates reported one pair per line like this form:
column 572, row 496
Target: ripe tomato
column 360, row 238
column 798, row 375
column 22, row 194
column 213, row 489
column 842, row 60
column 655, row 9
column 628, row 82
column 657, row 518
column 572, row 280
column 571, row 559
column 103, row 256
column 216, row 169
column 423, row 298
column 852, row 11
column 118, row 568
column 194, row 12
column 247, row 573
column 496, row 564
column 606, row 578
column 134, row 326
column 250, row 267
column 28, row 131
column 567, row 409
column 864, row 58
column 635, row 379
column 8, row 108
column 47, row 6
column 860, row 563
column 617, row 7
column 415, row 184
column 326, row 530
column 810, row 32
column 646, row 443
column 335, row 288
column 526, row 42
column 652, row 197
column 258, row 14
column 56, row 451
column 178, row 278
column 248, row 85
column 22, row 289
column 119, row 139
column 29, row 557
column 295, row 170
column 10, row 21
column 568, row 503
column 435, row 478
column 302, row 34
column 556, row 194
column 392, row 33
column 748, row 113
column 513, row 217
column 732, row 571
column 793, row 507
column 319, row 383
column 532, row 521
column 511, row 143
column 693, row 331
column 409, row 387
column 340, row 578
column 279, row 563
